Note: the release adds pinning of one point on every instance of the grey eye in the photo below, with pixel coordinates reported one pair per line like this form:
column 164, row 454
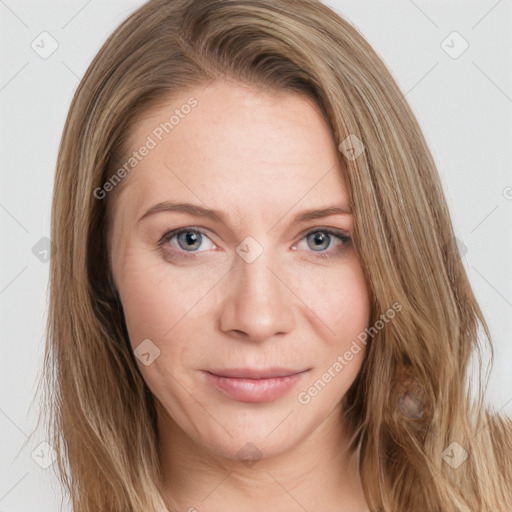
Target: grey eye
column 320, row 240
column 189, row 239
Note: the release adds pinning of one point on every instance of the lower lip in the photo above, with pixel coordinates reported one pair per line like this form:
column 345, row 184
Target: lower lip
column 254, row 390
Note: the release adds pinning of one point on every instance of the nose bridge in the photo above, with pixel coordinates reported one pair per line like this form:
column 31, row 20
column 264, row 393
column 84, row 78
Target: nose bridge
column 257, row 280
column 258, row 303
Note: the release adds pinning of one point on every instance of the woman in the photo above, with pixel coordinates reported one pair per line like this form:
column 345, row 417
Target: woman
column 255, row 298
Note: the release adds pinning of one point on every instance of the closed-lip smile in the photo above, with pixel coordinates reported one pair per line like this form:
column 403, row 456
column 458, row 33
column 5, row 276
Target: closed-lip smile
column 254, row 384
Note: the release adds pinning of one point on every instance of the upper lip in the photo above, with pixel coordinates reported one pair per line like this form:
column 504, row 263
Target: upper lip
column 255, row 373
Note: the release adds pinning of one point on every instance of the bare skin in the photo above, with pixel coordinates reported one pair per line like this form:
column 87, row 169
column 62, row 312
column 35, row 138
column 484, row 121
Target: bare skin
column 260, row 159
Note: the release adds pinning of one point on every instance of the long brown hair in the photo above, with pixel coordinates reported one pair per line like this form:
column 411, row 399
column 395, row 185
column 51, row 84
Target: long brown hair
column 410, row 408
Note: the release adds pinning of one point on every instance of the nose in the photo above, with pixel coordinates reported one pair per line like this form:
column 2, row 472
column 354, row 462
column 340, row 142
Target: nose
column 258, row 303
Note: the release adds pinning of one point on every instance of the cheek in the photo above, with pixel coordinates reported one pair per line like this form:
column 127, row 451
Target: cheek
column 148, row 309
column 343, row 307
column 157, row 304
column 337, row 299
column 156, row 300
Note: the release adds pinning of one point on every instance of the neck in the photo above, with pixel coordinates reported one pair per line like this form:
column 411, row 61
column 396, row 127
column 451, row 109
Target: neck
column 319, row 473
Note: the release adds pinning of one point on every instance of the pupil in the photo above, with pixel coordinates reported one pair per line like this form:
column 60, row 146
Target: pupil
column 191, row 238
column 320, row 238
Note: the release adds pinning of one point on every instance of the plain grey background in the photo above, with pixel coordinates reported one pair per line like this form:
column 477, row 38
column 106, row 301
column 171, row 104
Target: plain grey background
column 461, row 96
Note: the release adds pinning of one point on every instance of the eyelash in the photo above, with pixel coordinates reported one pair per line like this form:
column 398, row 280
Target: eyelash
column 345, row 240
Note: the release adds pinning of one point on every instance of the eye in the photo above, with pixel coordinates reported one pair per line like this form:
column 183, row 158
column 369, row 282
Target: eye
column 320, row 239
column 187, row 240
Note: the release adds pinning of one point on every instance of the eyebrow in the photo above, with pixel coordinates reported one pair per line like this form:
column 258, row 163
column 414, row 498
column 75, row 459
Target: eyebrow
column 217, row 216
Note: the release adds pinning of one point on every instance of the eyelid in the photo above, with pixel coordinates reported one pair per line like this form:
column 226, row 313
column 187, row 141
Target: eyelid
column 335, row 231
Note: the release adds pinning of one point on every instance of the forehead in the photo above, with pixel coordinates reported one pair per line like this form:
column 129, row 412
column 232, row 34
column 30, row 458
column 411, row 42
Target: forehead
column 236, row 146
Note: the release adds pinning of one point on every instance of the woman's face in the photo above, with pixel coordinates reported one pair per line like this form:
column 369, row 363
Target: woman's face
column 239, row 318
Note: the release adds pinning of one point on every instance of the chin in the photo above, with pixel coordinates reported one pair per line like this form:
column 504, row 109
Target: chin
column 249, row 448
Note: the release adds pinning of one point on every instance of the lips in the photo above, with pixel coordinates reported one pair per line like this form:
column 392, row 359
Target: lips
column 254, row 385
column 254, row 373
